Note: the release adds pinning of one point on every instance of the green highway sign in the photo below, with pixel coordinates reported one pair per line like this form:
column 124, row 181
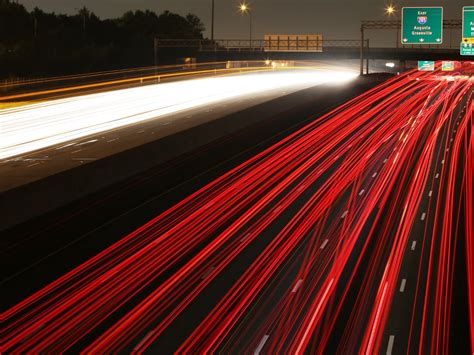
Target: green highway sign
column 468, row 24
column 426, row 65
column 467, row 48
column 422, row 25
column 447, row 66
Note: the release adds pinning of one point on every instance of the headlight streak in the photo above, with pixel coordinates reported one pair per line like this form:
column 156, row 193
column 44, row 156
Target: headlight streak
column 383, row 143
column 42, row 125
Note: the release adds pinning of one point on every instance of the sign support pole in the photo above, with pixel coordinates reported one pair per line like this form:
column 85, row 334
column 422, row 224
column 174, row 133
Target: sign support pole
column 361, row 49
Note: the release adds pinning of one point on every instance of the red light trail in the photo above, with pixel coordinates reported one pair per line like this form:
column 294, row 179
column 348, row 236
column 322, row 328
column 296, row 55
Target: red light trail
column 378, row 186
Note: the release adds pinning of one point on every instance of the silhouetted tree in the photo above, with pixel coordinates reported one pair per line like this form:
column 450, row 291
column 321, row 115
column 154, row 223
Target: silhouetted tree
column 40, row 43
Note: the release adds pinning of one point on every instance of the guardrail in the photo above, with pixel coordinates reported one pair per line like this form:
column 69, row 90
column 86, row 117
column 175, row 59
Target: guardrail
column 30, row 89
column 258, row 45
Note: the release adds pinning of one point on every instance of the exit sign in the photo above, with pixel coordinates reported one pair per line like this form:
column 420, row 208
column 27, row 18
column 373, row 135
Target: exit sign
column 468, row 24
column 422, row 25
column 467, row 49
column 426, row 65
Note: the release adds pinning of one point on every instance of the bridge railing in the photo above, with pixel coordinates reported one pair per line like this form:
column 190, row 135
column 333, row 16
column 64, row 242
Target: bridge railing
column 229, row 45
column 258, row 45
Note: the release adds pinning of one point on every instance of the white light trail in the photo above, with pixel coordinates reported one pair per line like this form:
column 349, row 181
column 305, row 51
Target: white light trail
column 29, row 128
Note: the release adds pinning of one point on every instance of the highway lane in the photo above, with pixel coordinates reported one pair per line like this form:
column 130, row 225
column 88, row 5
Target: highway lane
column 425, row 244
column 68, row 236
column 267, row 257
column 46, row 138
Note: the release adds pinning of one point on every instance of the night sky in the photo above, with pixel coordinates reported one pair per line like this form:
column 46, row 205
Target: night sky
column 335, row 19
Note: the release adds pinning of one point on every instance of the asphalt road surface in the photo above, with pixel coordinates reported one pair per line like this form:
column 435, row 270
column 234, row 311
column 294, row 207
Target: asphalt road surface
column 352, row 233
column 46, row 138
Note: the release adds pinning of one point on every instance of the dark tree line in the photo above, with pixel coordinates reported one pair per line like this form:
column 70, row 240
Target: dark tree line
column 37, row 43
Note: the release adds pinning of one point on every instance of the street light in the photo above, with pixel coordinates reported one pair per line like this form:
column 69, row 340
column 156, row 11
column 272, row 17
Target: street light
column 244, row 9
column 390, row 10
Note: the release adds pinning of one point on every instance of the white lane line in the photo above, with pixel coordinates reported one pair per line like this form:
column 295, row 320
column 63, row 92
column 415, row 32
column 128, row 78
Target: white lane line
column 344, row 214
column 277, row 209
column 38, row 159
column 88, row 142
column 32, row 333
column 65, row 146
column 31, row 165
column 374, row 175
column 324, row 244
column 261, row 344
column 301, row 188
column 442, row 162
column 361, row 192
column 385, row 161
column 207, row 273
column 437, row 176
column 112, row 140
column 297, row 286
column 430, row 193
column 76, row 151
column 108, row 275
column 245, row 237
column 413, row 245
column 142, row 131
column 423, row 216
column 89, row 159
column 315, row 314
column 210, row 203
column 402, row 285
column 391, row 340
column 143, row 340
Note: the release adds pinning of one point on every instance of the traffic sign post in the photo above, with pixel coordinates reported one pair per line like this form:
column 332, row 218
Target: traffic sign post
column 422, row 25
column 468, row 24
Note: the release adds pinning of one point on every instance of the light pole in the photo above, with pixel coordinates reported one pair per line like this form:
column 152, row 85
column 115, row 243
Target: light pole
column 244, row 9
column 390, row 11
column 212, row 22
column 83, row 12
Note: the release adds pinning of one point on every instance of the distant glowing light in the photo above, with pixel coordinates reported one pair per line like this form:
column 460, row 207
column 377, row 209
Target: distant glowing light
column 390, row 65
column 29, row 128
column 390, row 10
column 244, row 8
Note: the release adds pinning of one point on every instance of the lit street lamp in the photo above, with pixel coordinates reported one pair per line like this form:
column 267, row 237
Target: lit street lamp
column 390, row 10
column 244, row 9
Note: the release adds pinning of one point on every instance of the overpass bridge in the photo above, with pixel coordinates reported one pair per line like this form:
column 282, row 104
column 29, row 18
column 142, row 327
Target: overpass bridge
column 330, row 49
column 320, row 49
